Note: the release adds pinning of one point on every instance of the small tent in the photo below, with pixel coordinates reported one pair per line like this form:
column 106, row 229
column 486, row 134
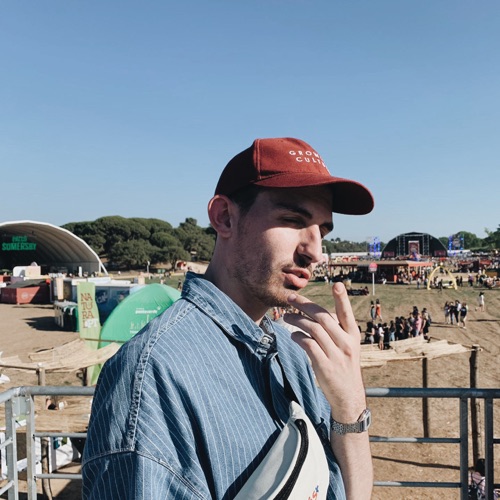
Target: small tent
column 135, row 311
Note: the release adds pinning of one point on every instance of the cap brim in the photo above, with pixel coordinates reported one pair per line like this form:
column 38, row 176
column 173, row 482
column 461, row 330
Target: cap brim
column 349, row 197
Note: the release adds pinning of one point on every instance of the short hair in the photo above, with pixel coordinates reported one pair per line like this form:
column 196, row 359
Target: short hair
column 480, row 466
column 245, row 197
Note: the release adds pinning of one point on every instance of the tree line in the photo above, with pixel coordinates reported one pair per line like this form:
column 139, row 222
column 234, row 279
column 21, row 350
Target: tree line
column 130, row 243
column 470, row 242
column 473, row 242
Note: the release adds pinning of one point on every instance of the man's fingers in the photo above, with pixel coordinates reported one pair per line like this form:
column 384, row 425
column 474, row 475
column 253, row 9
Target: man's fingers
column 313, row 312
column 344, row 315
column 317, row 322
column 344, row 310
column 309, row 308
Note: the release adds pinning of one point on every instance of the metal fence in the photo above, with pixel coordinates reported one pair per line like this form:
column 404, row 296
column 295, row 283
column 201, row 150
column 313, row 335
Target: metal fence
column 19, row 402
column 464, row 396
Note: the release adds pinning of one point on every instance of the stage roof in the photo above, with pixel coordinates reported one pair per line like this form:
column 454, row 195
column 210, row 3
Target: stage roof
column 52, row 247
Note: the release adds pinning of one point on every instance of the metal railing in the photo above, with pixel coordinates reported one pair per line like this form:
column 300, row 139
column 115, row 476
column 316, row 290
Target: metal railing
column 19, row 402
column 463, row 395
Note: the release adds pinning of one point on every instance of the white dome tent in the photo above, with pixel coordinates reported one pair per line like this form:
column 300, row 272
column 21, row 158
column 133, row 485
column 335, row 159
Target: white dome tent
column 53, row 248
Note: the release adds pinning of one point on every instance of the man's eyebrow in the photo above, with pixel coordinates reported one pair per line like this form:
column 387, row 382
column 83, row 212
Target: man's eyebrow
column 328, row 225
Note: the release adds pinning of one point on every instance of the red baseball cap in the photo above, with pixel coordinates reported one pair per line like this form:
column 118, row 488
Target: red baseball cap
column 288, row 163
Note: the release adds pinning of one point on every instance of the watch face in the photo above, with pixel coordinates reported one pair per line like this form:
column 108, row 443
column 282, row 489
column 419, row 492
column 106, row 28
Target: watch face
column 361, row 425
column 365, row 420
column 365, row 415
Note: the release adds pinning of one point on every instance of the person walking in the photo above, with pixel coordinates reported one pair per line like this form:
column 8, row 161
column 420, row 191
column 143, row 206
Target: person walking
column 446, row 311
column 372, row 310
column 480, row 302
column 426, row 319
column 378, row 310
column 456, row 311
column 464, row 309
column 453, row 311
column 380, row 333
column 418, row 324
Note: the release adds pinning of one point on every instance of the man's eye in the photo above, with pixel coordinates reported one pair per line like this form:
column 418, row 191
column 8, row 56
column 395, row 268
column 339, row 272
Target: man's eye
column 293, row 220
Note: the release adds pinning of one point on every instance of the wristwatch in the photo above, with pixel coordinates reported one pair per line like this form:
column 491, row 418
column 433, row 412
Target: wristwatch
column 361, row 425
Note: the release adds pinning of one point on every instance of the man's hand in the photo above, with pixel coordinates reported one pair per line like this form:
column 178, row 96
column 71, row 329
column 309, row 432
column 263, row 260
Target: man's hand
column 333, row 346
column 332, row 342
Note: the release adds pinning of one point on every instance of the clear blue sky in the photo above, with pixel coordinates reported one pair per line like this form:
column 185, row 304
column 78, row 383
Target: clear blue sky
column 118, row 107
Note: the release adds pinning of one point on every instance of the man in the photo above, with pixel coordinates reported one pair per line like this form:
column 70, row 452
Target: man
column 190, row 406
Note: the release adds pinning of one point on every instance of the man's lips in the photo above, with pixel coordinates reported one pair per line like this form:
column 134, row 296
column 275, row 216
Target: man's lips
column 297, row 277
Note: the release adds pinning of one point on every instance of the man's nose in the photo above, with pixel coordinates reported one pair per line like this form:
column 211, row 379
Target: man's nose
column 312, row 244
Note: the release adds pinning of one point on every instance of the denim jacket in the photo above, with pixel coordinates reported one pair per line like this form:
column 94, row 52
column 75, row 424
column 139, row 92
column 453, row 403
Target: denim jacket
column 190, row 406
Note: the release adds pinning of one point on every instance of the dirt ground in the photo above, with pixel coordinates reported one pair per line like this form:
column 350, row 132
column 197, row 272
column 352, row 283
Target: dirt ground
column 403, row 417
column 28, row 328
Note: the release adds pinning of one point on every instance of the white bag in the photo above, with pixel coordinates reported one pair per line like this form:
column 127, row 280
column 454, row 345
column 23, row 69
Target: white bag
column 295, row 467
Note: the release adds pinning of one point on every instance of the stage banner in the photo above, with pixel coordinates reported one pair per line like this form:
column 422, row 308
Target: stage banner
column 414, row 247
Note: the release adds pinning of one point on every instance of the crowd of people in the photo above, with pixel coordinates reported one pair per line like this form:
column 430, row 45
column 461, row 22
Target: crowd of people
column 417, row 322
column 489, row 282
column 455, row 312
column 382, row 333
column 479, row 280
column 379, row 332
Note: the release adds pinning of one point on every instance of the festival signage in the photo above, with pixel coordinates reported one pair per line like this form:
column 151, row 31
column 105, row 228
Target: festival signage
column 414, row 247
column 88, row 320
column 18, row 244
column 88, row 314
column 372, row 268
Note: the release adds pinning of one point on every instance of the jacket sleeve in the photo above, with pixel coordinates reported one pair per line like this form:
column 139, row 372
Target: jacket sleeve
column 132, row 476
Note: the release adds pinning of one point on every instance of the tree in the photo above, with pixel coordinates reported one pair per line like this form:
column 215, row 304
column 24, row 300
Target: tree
column 131, row 254
column 88, row 233
column 118, row 229
column 337, row 245
column 167, row 248
column 195, row 239
column 133, row 242
column 154, row 225
column 471, row 240
column 444, row 241
column 493, row 238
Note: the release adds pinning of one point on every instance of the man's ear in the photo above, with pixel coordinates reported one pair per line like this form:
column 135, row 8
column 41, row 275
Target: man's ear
column 221, row 212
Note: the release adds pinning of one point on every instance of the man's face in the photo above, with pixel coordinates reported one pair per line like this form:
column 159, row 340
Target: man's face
column 278, row 243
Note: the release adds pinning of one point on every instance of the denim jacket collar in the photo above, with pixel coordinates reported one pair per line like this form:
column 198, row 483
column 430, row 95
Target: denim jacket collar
column 228, row 315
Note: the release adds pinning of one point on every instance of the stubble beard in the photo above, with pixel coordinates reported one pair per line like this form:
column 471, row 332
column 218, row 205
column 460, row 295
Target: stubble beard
column 264, row 282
